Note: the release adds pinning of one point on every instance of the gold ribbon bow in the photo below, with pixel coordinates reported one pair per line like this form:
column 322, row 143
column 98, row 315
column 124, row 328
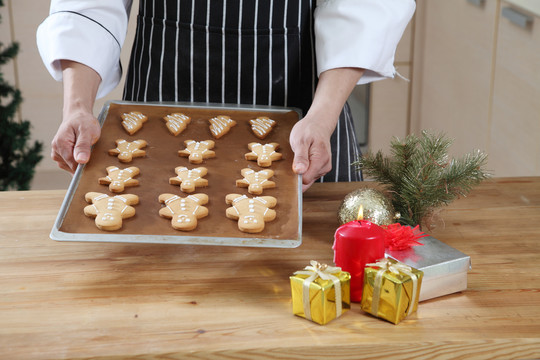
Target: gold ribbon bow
column 396, row 268
column 323, row 271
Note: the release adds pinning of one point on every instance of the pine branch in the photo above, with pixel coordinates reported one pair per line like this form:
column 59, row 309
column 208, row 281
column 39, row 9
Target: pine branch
column 377, row 165
column 8, row 53
column 420, row 177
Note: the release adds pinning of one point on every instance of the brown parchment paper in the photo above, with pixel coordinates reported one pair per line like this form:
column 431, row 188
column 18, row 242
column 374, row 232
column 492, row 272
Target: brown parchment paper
column 162, row 157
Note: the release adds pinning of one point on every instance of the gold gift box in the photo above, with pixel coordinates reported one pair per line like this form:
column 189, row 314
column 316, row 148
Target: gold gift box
column 322, row 296
column 389, row 291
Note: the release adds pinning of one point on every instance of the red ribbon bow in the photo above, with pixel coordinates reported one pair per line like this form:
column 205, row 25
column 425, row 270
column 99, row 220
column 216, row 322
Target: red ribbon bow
column 400, row 237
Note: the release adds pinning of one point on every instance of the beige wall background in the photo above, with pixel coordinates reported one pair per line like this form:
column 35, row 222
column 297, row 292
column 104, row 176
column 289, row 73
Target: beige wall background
column 474, row 76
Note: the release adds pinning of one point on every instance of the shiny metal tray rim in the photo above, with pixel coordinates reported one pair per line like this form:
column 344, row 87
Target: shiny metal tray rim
column 58, row 235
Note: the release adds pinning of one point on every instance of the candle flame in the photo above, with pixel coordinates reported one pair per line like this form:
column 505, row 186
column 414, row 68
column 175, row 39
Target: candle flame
column 360, row 213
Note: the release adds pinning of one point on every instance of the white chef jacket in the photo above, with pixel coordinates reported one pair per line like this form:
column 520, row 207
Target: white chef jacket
column 348, row 33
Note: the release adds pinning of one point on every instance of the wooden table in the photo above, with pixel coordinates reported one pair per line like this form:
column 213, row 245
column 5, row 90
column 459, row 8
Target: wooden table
column 116, row 301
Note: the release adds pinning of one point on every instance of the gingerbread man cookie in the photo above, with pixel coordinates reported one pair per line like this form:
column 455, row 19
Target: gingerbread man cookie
column 127, row 150
column 176, row 123
column 251, row 213
column 118, row 179
column 109, row 211
column 197, row 151
column 264, row 154
column 133, row 121
column 189, row 179
column 256, row 181
column 183, row 212
column 262, row 126
column 220, row 125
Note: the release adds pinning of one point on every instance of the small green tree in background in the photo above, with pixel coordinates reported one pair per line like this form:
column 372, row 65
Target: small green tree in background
column 17, row 158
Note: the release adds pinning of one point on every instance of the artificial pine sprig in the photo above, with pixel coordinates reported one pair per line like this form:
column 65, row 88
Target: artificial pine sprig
column 420, row 177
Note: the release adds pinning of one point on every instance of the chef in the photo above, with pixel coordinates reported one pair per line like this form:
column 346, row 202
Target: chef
column 292, row 53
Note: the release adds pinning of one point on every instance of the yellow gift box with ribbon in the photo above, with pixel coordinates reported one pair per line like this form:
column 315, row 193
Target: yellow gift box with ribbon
column 391, row 290
column 320, row 293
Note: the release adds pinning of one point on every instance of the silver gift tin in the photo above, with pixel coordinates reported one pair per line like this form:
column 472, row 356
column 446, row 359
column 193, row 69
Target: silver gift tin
column 445, row 268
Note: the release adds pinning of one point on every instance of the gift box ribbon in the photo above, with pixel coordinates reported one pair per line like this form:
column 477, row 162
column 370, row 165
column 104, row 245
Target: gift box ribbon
column 323, row 271
column 395, row 268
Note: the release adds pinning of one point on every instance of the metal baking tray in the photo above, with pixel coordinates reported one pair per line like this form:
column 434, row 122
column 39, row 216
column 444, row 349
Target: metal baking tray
column 158, row 166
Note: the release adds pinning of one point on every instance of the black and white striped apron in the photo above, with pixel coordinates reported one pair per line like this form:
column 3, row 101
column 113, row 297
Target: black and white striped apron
column 233, row 51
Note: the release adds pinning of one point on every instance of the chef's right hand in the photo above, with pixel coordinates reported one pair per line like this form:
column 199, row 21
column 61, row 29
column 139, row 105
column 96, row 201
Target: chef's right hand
column 79, row 129
column 73, row 141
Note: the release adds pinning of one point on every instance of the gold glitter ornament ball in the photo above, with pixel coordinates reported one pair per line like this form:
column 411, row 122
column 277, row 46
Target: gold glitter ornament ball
column 377, row 207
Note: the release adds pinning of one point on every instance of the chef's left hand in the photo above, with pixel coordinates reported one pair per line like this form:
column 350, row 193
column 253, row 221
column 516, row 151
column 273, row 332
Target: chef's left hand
column 310, row 141
column 310, row 137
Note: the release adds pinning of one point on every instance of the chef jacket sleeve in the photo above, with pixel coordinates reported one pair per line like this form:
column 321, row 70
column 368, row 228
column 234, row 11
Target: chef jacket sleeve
column 90, row 32
column 361, row 34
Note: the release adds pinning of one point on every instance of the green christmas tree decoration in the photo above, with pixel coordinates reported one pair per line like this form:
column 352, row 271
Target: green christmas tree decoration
column 17, row 158
column 420, row 177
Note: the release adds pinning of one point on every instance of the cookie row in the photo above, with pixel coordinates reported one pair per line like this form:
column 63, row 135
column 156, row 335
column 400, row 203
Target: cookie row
column 188, row 179
column 197, row 151
column 177, row 123
column 184, row 212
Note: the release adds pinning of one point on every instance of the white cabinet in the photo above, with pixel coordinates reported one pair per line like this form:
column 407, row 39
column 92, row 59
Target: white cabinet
column 453, row 71
column 476, row 77
column 389, row 115
column 515, row 121
column 389, row 110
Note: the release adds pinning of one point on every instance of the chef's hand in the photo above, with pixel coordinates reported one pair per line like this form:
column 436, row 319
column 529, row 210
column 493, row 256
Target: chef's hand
column 79, row 129
column 310, row 141
column 75, row 136
column 310, row 137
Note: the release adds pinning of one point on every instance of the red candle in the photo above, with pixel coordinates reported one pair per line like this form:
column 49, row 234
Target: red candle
column 356, row 244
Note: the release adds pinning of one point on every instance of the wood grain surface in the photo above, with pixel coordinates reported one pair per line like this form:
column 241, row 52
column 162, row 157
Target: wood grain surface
column 61, row 300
